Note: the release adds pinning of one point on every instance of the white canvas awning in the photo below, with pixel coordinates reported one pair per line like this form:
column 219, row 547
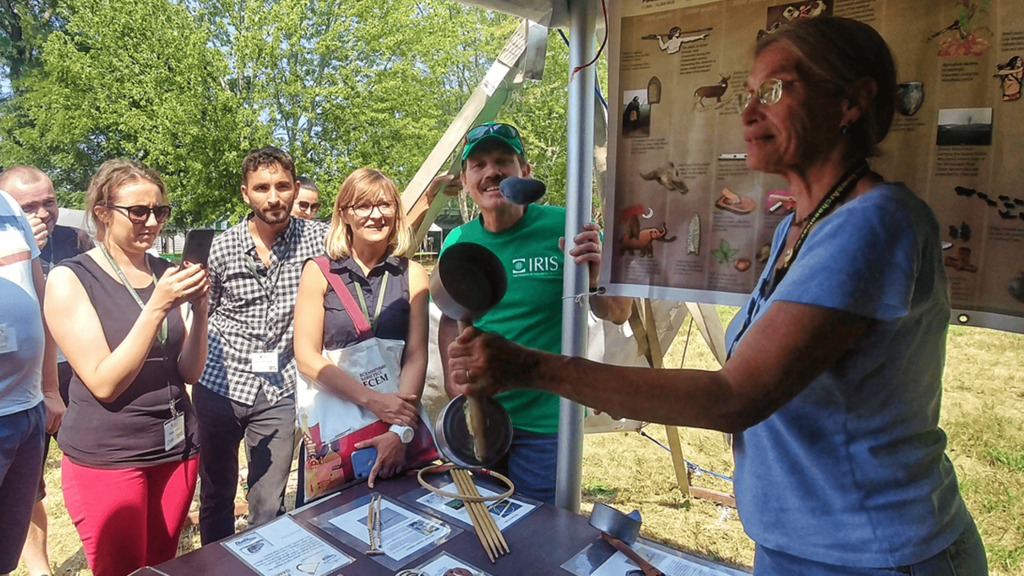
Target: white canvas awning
column 550, row 13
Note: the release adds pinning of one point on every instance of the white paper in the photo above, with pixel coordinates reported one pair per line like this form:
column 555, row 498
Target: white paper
column 618, row 564
column 505, row 512
column 284, row 547
column 445, row 562
column 402, row 532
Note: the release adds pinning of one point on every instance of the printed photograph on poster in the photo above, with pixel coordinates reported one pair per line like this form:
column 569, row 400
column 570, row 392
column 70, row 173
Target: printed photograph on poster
column 909, row 97
column 669, row 176
column 969, row 34
column 964, row 127
column 782, row 14
column 636, row 114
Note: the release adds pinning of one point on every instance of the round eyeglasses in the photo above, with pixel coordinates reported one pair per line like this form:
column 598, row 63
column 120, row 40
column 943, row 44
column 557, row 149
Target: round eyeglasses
column 768, row 93
column 140, row 214
column 365, row 209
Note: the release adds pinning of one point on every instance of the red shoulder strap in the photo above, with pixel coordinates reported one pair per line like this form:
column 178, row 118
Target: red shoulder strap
column 363, row 329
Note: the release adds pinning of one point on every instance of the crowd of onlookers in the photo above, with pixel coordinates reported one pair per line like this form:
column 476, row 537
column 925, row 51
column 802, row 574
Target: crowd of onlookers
column 132, row 330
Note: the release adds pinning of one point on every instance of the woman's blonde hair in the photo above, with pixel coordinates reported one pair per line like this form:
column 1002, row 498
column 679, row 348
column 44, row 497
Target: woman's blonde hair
column 111, row 177
column 366, row 185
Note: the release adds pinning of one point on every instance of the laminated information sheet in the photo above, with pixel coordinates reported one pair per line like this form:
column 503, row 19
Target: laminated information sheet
column 284, row 547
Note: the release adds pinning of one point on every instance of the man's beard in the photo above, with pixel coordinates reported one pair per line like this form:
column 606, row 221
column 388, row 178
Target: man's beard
column 285, row 214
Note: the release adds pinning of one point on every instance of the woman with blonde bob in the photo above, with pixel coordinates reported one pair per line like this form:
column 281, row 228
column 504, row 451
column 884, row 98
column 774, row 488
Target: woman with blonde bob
column 365, row 243
column 133, row 327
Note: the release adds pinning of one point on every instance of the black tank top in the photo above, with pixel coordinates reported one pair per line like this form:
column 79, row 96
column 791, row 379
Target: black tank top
column 339, row 331
column 128, row 432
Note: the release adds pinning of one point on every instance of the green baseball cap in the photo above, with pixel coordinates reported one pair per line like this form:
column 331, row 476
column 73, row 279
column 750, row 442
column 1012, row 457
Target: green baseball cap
column 504, row 132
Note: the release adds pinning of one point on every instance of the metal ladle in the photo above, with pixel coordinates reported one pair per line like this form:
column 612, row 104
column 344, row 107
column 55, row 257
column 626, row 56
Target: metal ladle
column 468, row 281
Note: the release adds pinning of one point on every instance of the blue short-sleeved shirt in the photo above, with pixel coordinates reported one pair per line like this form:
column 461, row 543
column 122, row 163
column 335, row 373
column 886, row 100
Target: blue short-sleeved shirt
column 852, row 471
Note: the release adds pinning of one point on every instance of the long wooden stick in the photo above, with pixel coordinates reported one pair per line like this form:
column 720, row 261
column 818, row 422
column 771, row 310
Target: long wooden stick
column 486, row 521
column 489, row 519
column 472, row 516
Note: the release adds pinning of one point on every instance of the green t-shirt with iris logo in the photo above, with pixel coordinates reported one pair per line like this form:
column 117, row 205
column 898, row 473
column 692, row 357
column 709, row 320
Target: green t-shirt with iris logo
column 530, row 314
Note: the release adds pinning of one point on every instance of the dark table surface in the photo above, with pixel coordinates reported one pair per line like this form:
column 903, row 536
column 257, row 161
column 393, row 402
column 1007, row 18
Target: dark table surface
column 540, row 543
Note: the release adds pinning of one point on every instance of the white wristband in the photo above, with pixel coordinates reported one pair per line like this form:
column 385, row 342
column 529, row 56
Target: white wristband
column 405, row 433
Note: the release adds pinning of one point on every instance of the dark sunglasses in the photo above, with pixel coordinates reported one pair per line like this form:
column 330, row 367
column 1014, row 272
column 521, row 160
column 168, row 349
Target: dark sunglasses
column 503, row 131
column 140, row 214
column 303, row 205
column 507, row 134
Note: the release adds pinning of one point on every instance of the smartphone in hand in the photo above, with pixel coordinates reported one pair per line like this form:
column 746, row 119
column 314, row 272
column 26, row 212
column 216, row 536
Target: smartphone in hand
column 197, row 246
column 362, row 462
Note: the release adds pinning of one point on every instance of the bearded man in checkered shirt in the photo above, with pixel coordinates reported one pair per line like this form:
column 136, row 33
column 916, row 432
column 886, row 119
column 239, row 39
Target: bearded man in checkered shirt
column 248, row 388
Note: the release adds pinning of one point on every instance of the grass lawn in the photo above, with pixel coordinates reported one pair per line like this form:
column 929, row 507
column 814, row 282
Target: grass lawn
column 982, row 412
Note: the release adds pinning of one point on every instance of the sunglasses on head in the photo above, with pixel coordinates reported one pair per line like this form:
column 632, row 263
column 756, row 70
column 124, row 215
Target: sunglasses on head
column 140, row 214
column 304, row 206
column 504, row 132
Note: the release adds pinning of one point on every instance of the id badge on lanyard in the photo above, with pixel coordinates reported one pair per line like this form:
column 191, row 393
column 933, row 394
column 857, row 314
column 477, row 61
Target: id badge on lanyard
column 266, row 362
column 174, row 429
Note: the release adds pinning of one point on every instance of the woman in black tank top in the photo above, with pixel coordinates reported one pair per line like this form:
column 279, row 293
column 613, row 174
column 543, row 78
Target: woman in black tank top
column 365, row 244
column 133, row 328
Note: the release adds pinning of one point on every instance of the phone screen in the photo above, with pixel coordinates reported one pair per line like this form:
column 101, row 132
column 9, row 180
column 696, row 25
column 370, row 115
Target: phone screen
column 197, row 246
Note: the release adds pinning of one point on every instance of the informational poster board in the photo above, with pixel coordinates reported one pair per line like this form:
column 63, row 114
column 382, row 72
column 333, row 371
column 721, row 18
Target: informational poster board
column 689, row 221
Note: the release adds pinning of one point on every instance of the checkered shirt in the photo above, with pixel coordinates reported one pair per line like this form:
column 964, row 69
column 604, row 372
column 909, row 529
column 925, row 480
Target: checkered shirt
column 244, row 318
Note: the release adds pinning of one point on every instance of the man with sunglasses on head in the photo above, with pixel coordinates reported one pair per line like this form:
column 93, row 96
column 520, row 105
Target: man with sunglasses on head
column 307, row 199
column 33, row 191
column 248, row 388
column 528, row 241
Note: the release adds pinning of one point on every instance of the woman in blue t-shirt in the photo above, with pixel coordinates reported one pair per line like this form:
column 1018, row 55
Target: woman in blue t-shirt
column 833, row 383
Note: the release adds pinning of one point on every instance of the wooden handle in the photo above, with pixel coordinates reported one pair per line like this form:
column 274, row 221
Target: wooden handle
column 648, row 568
column 477, row 415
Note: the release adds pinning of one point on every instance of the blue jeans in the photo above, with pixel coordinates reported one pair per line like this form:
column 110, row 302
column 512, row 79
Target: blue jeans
column 21, row 464
column 531, row 464
column 964, row 557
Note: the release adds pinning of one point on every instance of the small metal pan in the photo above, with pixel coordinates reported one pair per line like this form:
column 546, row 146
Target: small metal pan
column 468, row 281
column 457, row 444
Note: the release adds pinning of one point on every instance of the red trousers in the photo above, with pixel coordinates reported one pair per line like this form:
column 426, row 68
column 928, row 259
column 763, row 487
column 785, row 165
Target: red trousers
column 129, row 517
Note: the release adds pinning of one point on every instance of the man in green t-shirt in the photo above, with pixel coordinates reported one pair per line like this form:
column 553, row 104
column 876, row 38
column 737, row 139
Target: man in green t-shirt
column 528, row 241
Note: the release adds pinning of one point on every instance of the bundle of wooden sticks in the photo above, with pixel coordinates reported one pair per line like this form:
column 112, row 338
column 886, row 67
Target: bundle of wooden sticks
column 490, row 536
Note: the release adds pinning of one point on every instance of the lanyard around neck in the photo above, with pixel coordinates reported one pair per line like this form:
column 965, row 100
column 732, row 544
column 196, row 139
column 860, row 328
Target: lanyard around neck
column 272, row 287
column 162, row 333
column 837, row 194
column 380, row 301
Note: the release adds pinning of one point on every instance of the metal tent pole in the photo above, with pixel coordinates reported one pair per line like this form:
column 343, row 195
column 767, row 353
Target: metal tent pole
column 580, row 168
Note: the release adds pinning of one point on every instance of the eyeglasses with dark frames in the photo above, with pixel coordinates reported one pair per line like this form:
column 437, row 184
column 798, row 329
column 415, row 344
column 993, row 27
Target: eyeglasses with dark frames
column 140, row 214
column 363, row 210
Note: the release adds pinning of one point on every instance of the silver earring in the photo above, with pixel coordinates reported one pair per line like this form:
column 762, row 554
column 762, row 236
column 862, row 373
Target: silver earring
column 844, row 129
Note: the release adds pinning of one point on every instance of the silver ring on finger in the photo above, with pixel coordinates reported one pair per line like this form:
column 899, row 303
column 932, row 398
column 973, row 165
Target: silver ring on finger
column 469, row 376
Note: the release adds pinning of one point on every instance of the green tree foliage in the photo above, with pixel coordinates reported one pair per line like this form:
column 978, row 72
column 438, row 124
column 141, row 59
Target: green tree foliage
column 136, row 79
column 189, row 87
column 24, row 25
column 349, row 83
